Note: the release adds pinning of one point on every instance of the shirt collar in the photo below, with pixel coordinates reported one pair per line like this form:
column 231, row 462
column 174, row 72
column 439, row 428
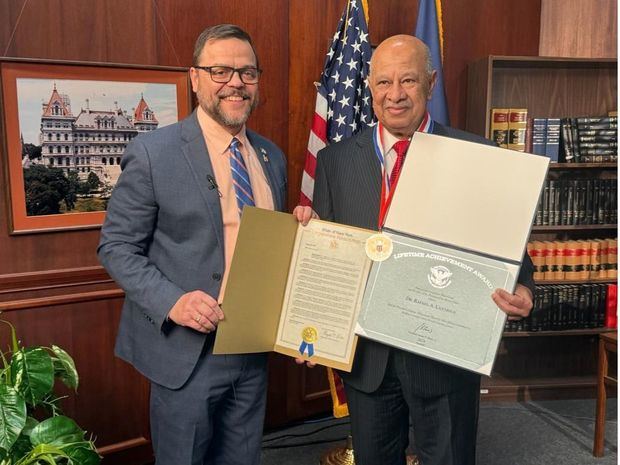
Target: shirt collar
column 217, row 137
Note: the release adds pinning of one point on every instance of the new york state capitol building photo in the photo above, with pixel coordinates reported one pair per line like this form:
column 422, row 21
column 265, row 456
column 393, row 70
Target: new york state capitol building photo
column 92, row 141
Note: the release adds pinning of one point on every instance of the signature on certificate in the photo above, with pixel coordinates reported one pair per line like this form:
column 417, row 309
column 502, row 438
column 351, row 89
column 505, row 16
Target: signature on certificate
column 423, row 329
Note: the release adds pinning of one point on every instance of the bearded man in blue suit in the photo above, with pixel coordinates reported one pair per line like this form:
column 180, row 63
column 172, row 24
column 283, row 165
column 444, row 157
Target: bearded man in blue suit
column 168, row 240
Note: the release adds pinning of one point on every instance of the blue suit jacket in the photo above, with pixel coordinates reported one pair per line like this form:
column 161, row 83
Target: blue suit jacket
column 347, row 190
column 163, row 237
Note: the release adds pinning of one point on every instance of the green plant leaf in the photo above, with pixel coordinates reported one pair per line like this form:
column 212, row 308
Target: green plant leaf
column 64, row 367
column 14, row 344
column 21, row 448
column 12, row 416
column 82, row 453
column 56, row 431
column 32, row 374
column 42, row 454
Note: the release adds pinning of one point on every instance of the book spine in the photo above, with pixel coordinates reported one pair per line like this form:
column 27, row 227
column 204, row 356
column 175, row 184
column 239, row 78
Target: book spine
column 549, row 256
column 567, row 140
column 595, row 306
column 552, row 148
column 595, row 259
column 560, row 249
column 570, row 202
column 538, row 259
column 612, row 133
column 603, row 305
column 528, row 135
column 611, row 306
column 545, row 203
column 612, row 258
column 499, row 126
column 571, row 264
column 539, row 136
column 584, row 262
column 517, row 124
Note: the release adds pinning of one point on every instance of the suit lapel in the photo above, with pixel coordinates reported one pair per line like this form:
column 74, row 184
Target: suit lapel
column 195, row 152
column 367, row 172
column 265, row 160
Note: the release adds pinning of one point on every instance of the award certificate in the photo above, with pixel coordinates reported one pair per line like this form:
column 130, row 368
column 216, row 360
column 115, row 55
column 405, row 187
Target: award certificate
column 436, row 301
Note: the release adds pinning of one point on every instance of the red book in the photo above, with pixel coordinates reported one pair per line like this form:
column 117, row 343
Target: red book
column 611, row 308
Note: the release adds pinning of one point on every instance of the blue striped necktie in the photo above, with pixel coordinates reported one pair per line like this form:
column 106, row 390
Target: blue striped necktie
column 240, row 176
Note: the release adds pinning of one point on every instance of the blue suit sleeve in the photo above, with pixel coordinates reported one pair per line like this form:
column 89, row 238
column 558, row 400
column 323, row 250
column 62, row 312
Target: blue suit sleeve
column 127, row 232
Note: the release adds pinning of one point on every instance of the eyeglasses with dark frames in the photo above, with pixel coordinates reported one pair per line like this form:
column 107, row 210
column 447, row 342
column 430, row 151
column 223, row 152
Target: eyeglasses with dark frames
column 223, row 74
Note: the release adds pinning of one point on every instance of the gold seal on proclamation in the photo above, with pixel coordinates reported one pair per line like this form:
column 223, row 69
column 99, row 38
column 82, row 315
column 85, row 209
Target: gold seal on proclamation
column 379, row 247
column 309, row 335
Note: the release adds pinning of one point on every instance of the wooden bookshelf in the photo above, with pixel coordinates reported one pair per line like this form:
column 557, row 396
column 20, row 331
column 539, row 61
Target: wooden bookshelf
column 581, row 166
column 575, row 227
column 547, row 87
column 566, row 332
column 547, row 364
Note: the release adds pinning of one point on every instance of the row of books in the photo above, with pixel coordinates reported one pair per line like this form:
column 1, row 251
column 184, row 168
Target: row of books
column 569, row 140
column 574, row 260
column 578, row 201
column 509, row 127
column 589, row 140
column 563, row 307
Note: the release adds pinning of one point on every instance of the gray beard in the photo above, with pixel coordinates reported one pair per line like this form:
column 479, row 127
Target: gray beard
column 215, row 112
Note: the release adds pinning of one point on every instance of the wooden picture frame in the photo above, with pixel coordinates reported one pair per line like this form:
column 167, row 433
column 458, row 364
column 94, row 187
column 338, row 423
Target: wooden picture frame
column 51, row 131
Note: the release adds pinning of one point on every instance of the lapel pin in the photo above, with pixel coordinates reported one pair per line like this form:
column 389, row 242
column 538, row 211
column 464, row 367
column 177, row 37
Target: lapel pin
column 264, row 152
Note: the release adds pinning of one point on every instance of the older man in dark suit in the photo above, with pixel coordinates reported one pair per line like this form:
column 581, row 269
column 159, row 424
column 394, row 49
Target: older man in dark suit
column 168, row 239
column 387, row 386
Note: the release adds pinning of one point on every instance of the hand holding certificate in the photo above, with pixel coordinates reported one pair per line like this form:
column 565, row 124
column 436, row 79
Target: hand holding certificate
column 294, row 289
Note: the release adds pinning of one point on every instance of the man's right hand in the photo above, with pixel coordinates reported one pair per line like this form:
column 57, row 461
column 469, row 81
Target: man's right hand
column 197, row 310
column 304, row 214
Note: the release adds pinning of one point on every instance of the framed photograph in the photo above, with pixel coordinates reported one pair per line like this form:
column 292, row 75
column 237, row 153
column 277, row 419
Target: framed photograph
column 66, row 126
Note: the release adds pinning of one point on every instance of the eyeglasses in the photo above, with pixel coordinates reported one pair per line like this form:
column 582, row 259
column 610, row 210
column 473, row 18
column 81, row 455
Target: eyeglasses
column 223, row 74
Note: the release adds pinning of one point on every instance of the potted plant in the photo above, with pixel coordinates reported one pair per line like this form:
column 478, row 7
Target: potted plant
column 32, row 429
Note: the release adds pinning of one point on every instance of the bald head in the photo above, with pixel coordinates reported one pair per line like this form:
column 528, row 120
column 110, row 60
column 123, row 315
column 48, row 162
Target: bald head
column 401, row 81
column 405, row 44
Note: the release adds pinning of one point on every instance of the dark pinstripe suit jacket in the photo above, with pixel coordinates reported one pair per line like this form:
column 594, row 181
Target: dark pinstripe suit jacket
column 347, row 190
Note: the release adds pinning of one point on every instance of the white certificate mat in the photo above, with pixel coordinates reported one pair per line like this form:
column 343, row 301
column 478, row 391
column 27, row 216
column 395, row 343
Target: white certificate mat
column 468, row 195
column 461, row 212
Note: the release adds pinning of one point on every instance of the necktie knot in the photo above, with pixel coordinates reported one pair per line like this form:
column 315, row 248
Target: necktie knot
column 401, row 147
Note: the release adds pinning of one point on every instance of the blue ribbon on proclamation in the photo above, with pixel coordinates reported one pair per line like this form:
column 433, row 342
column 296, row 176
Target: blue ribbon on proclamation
column 429, row 29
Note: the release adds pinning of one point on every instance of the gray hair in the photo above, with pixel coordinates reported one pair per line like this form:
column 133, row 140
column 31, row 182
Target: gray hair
column 429, row 61
column 219, row 32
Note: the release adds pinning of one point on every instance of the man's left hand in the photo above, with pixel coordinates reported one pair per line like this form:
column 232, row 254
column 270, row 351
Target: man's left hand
column 517, row 305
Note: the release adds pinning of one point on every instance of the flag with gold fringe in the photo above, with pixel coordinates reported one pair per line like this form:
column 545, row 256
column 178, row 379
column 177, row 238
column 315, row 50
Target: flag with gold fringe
column 343, row 108
column 429, row 29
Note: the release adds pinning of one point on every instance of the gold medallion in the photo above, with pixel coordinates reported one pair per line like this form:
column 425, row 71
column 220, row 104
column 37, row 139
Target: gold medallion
column 379, row 247
column 309, row 335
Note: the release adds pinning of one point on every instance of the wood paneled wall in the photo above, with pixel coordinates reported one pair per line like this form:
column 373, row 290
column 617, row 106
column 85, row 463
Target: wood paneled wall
column 579, row 28
column 52, row 283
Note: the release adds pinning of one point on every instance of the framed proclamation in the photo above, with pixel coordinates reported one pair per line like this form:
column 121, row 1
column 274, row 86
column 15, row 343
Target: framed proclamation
column 294, row 289
column 457, row 229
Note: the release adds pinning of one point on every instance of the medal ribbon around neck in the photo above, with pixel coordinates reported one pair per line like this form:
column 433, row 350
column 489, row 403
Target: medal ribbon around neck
column 387, row 192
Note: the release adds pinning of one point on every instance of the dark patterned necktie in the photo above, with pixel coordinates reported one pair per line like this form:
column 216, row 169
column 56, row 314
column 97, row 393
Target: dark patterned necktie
column 240, row 177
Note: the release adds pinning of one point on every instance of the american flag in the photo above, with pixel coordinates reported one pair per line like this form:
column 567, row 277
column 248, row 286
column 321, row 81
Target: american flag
column 343, row 101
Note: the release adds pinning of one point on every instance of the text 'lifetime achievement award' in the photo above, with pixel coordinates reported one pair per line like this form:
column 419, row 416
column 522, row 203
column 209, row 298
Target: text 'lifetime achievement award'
column 457, row 229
